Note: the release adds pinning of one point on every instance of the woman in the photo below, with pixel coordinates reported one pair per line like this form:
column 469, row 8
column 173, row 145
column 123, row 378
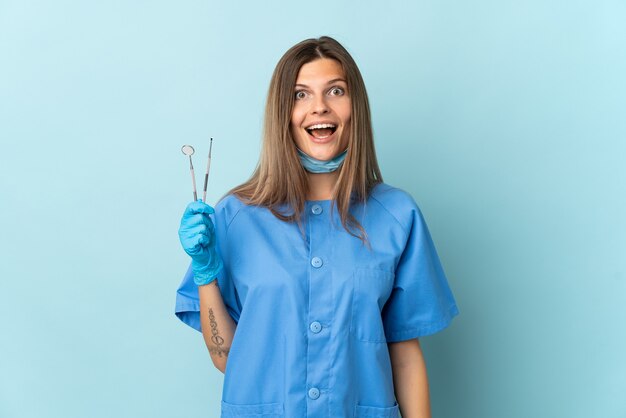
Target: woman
column 314, row 278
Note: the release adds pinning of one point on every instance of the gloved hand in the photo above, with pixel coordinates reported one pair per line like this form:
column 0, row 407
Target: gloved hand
column 197, row 235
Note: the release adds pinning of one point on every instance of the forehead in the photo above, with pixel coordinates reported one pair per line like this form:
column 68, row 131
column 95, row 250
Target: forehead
column 320, row 71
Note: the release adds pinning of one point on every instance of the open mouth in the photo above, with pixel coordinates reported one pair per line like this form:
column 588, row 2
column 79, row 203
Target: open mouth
column 321, row 133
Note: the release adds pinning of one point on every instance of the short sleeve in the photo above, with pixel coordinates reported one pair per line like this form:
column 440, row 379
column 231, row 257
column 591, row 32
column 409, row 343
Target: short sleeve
column 187, row 307
column 421, row 302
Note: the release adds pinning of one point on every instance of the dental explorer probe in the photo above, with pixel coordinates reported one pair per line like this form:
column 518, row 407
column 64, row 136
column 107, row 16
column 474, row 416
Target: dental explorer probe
column 206, row 176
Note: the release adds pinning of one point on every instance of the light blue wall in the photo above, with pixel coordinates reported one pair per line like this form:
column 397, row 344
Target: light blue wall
column 505, row 121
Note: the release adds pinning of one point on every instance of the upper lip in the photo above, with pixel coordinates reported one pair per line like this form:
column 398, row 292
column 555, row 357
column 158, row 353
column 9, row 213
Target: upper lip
column 320, row 122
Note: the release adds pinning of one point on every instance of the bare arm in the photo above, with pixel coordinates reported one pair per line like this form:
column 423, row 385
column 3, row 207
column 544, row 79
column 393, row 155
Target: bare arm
column 410, row 379
column 218, row 328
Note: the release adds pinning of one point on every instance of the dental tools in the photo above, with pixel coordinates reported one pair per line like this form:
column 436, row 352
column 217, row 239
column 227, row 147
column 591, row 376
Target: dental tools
column 189, row 151
column 208, row 167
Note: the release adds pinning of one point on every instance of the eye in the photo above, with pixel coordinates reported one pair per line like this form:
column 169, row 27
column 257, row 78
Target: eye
column 298, row 94
column 337, row 89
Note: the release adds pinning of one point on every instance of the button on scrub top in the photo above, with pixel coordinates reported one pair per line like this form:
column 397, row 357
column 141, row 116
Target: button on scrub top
column 314, row 314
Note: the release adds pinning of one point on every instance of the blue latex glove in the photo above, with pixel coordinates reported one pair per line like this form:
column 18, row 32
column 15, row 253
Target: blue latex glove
column 197, row 236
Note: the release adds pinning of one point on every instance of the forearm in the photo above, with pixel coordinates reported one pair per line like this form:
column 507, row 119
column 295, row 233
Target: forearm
column 410, row 379
column 218, row 328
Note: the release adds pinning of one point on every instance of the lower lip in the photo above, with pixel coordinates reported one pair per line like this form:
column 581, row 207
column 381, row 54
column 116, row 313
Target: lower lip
column 321, row 140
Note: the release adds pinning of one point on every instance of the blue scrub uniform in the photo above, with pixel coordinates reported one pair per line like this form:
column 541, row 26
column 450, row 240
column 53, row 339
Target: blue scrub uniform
column 314, row 316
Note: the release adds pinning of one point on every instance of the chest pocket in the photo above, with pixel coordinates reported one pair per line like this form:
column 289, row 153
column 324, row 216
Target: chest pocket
column 372, row 288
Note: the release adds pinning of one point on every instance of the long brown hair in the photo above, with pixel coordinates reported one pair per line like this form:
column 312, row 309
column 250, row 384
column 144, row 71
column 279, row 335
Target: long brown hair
column 279, row 177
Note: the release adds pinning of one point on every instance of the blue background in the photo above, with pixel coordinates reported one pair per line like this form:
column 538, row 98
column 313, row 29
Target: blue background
column 504, row 119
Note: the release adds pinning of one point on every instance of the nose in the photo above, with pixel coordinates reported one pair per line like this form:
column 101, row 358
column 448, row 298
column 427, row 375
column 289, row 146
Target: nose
column 319, row 105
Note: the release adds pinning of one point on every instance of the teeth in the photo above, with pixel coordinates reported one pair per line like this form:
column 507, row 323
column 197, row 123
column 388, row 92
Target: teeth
column 321, row 126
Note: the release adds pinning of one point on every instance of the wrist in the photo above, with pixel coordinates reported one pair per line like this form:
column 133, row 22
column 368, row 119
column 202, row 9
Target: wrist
column 206, row 273
column 202, row 280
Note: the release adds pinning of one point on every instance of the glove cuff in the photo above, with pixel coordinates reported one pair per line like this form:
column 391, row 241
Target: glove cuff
column 208, row 273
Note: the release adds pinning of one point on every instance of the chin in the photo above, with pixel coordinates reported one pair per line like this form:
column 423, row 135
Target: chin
column 321, row 155
column 321, row 152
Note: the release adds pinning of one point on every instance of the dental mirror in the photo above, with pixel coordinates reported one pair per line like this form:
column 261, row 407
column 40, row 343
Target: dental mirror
column 188, row 150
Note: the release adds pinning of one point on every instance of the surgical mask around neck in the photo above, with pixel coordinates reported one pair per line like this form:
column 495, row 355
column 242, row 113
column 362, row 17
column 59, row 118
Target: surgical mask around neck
column 313, row 165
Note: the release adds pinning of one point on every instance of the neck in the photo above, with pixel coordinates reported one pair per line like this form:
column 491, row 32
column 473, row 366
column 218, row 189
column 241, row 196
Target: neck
column 321, row 185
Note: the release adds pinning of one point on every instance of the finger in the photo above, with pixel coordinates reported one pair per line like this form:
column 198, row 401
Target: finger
column 200, row 241
column 203, row 241
column 196, row 244
column 198, row 207
column 188, row 235
column 197, row 229
column 208, row 231
column 193, row 220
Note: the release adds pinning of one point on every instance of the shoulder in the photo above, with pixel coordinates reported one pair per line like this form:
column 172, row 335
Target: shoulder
column 397, row 202
column 228, row 207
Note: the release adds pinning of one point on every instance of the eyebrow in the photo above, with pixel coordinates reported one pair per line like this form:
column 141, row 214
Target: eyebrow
column 329, row 82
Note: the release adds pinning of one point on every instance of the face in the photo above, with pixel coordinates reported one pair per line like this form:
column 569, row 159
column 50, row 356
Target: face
column 321, row 101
